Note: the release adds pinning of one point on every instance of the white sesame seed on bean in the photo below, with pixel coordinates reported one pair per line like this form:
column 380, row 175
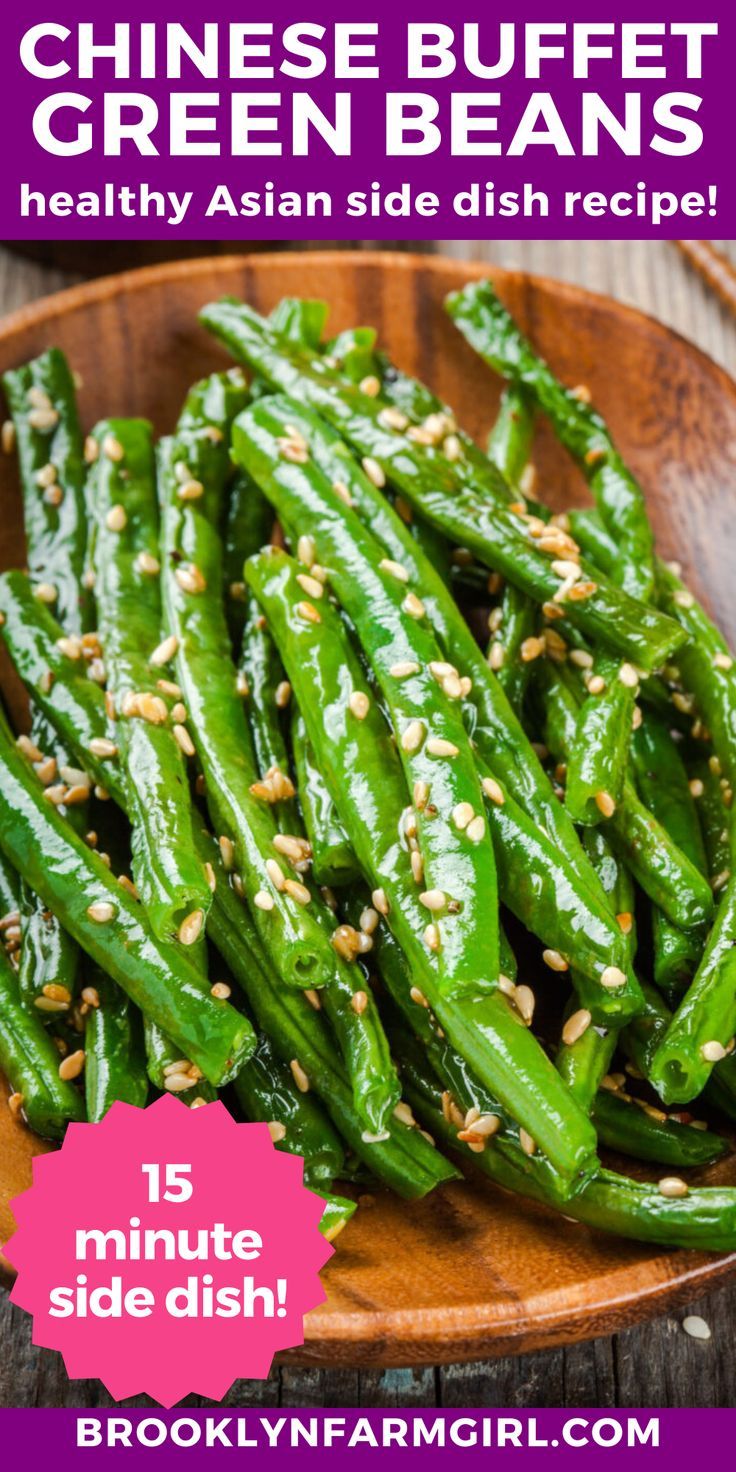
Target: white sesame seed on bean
column 672, row 1187
column 380, row 901
column 373, row 471
column 275, row 874
column 221, row 991
column 263, row 901
column 191, row 928
column 8, row 437
column 101, row 911
column 713, row 1052
column 190, row 579
column 438, row 746
column 183, row 739
column 277, row 1130
column 577, row 1024
column 301, row 1079
column 696, row 1327
column 413, row 736
column 605, row 804
column 413, row 606
column 149, row 565
column 359, row 704
column 395, row 569
column 403, row 669
column 112, row 448
column 555, row 960
column 165, row 651
column 432, row 937
column 433, row 899
column 45, row 592
column 476, row 829
column 463, row 814
column 613, row 977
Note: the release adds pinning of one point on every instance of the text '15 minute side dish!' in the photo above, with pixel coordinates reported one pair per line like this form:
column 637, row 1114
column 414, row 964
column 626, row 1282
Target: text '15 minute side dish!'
column 283, row 826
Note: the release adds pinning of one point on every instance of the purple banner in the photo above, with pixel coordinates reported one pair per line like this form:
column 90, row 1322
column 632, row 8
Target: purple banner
column 423, row 1440
column 381, row 121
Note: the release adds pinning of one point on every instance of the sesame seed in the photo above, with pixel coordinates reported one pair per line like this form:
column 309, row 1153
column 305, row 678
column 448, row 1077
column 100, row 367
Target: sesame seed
column 8, row 437
column 295, row 450
column 100, row 746
column 605, row 804
column 45, row 592
column 713, row 1052
column 221, row 991
column 301, row 1079
column 310, row 585
column 297, row 891
column 102, row 911
column 277, row 1130
column 555, row 961
column 451, row 447
column 418, row 996
column 420, row 795
column 359, row 1002
column 496, row 655
column 90, row 996
column 71, row 647
column 463, row 814
column 178, row 1083
column 525, row 1001
column 437, row 746
column 165, row 651
column 71, row 1066
column 413, row 736
column 581, row 658
column 150, row 708
column 178, row 711
column 275, row 874
column 596, row 685
column 531, row 649
column 612, row 976
column 370, row 385
column 227, row 852
column 149, row 565
column 404, row 668
column 369, row 919
column 696, row 1327
column 75, row 794
column 433, row 899
column 417, row 866
column 341, row 490
column 263, row 901
column 432, row 937
column 190, row 579
column 112, row 448
column 493, row 790
column 191, row 928
column 373, row 471
column 476, row 830
column 528, row 1145
column 723, row 661
column 392, row 418
column 306, row 550
column 696, row 787
column 394, row 568
column 413, row 606
column 308, row 612
column 190, row 490
column 47, row 1004
column 183, row 739
column 56, row 992
column 672, row 1186
column 683, row 599
column 46, row 476
column 44, row 420
column 577, row 1024
column 359, row 704
column 628, row 676
column 625, row 922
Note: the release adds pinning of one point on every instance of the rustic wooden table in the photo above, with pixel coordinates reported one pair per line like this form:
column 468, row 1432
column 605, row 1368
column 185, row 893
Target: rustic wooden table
column 654, row 1365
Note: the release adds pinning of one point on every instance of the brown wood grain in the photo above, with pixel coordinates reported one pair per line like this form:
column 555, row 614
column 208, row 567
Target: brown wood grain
column 470, row 1271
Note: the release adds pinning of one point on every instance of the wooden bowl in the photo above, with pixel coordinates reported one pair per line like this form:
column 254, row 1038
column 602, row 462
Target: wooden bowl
column 469, row 1272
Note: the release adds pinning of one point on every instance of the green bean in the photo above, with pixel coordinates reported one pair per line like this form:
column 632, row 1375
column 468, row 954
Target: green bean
column 73, row 881
column 703, row 1026
column 166, row 869
column 489, row 328
column 49, row 956
column 497, row 731
column 596, row 765
column 632, row 1131
column 192, row 584
column 705, row 665
column 248, row 526
column 714, row 817
column 663, row 785
column 428, row 481
column 423, row 702
column 30, row 1062
column 665, row 874
column 336, row 1215
column 704, row 1218
column 266, row 1091
column 114, row 1067
column 539, row 890
column 267, row 697
column 333, row 860
column 399, row 1156
column 42, row 400
column 362, row 770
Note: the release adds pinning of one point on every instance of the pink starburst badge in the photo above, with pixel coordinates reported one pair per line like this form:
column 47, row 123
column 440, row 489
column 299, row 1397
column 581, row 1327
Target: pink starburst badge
column 168, row 1250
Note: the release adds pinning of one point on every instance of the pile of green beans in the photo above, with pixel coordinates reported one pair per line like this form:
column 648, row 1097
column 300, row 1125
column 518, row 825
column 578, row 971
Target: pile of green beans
column 288, row 824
